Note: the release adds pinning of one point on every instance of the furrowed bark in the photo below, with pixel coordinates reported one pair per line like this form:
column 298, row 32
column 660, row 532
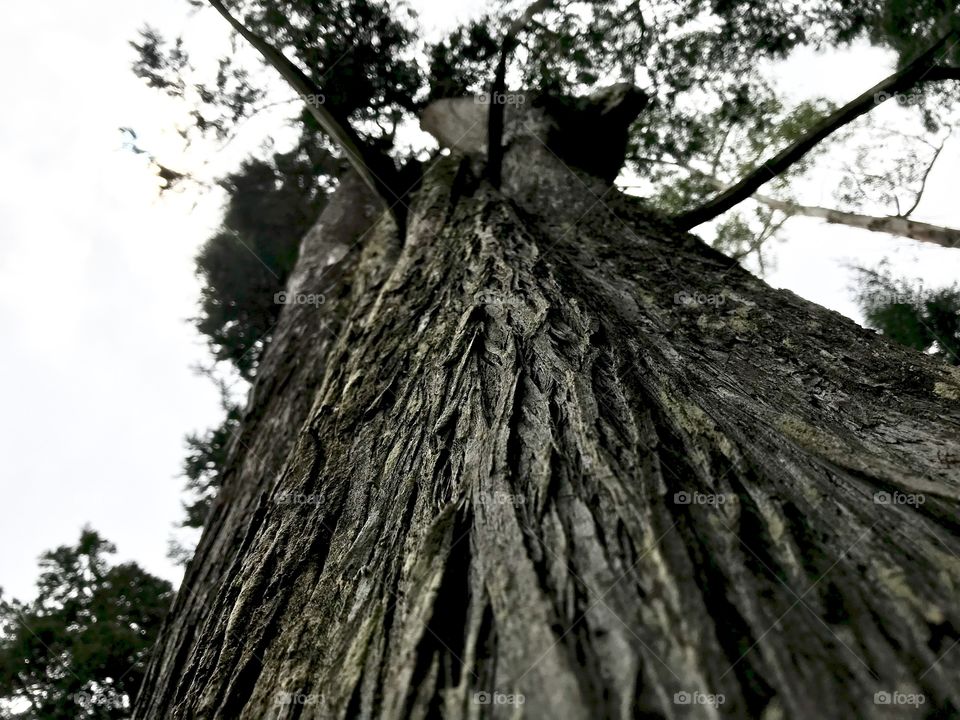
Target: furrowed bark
column 560, row 451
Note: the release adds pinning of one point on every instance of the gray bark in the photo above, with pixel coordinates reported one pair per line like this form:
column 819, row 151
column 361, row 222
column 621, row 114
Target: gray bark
column 554, row 447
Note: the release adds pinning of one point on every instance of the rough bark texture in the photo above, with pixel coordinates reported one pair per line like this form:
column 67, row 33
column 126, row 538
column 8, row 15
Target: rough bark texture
column 557, row 449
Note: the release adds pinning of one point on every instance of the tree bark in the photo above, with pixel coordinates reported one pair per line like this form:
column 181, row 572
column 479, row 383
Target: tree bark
column 560, row 454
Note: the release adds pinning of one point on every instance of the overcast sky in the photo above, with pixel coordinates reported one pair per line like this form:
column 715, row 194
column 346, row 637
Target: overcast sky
column 96, row 274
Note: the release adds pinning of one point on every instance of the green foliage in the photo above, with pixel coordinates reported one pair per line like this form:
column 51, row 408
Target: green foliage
column 369, row 43
column 270, row 206
column 461, row 62
column 712, row 117
column 203, row 466
column 160, row 64
column 79, row 650
column 927, row 320
column 220, row 103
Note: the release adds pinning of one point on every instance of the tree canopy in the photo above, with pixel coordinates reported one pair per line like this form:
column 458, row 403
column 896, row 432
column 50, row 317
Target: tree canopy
column 715, row 128
column 713, row 117
column 79, row 649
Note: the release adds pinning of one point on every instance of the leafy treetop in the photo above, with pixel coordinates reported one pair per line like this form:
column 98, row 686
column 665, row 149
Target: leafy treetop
column 79, row 650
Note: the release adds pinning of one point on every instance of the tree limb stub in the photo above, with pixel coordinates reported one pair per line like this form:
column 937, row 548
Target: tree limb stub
column 376, row 170
column 921, row 69
column 499, row 87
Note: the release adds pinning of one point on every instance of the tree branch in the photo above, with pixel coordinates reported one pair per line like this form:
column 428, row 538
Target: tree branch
column 498, row 89
column 899, row 225
column 923, row 181
column 376, row 170
column 943, row 72
column 921, row 69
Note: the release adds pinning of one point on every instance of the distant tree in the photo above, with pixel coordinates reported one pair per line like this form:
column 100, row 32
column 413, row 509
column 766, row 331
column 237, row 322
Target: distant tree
column 270, row 205
column 206, row 455
column 79, row 649
column 927, row 320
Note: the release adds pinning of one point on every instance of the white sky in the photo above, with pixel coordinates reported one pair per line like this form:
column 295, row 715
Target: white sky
column 96, row 275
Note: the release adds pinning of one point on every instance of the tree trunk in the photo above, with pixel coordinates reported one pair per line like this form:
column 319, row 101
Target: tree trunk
column 555, row 459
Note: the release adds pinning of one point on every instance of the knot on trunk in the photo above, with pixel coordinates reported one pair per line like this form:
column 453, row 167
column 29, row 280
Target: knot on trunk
column 589, row 132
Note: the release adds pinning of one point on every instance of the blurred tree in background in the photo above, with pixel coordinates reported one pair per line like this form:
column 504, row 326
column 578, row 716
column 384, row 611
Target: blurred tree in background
column 79, row 649
column 926, row 320
column 270, row 205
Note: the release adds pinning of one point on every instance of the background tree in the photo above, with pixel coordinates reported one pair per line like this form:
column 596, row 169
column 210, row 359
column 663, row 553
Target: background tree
column 79, row 649
column 270, row 206
column 926, row 320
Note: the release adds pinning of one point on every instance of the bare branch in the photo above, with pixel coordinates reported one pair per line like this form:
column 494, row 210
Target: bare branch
column 920, row 70
column 499, row 87
column 376, row 170
column 899, row 225
column 923, row 181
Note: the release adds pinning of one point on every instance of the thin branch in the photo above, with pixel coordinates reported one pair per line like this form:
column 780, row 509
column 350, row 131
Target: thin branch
column 899, row 225
column 921, row 69
column 758, row 241
column 498, row 89
column 376, row 170
column 720, row 148
column 256, row 111
column 923, row 181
